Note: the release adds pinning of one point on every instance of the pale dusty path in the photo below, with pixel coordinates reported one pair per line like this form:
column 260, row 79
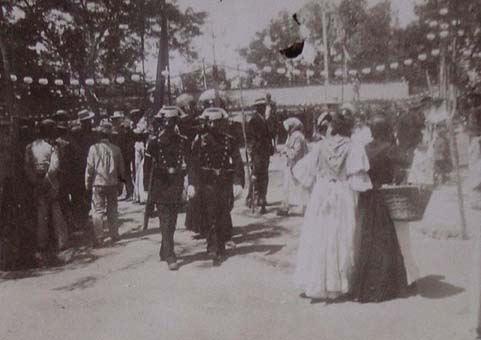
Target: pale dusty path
column 123, row 292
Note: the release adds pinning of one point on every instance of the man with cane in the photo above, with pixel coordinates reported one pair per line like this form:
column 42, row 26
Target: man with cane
column 165, row 162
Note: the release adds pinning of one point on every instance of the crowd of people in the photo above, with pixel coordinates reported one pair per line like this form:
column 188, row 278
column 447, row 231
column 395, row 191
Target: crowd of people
column 75, row 171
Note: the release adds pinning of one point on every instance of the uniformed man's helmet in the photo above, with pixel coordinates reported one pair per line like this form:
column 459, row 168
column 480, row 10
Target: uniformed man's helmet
column 214, row 113
column 168, row 112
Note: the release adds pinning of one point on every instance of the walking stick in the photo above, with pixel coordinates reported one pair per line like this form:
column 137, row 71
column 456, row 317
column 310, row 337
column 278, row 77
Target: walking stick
column 250, row 180
column 148, row 204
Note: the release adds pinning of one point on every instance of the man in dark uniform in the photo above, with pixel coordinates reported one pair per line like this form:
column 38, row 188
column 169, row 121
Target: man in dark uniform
column 167, row 154
column 215, row 166
column 271, row 118
column 260, row 149
column 83, row 137
column 124, row 139
column 65, row 154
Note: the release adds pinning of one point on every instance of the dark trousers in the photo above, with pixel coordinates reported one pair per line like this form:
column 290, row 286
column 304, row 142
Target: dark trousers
column 218, row 207
column 129, row 184
column 260, row 169
column 81, row 202
column 167, row 223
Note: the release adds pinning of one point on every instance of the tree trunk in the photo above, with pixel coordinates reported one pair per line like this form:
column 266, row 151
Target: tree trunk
column 162, row 61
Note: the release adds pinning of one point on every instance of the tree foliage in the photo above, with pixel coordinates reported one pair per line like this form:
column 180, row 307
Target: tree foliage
column 92, row 38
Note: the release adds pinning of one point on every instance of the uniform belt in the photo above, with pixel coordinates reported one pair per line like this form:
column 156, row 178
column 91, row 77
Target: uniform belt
column 217, row 172
column 41, row 168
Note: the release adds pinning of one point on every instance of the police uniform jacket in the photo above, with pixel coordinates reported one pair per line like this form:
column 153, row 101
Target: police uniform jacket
column 165, row 156
column 216, row 159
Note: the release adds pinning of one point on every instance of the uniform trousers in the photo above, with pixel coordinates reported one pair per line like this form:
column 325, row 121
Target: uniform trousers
column 217, row 194
column 167, row 223
column 104, row 210
column 260, row 169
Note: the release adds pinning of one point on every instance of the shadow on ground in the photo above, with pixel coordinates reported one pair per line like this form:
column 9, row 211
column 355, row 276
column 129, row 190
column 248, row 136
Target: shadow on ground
column 434, row 287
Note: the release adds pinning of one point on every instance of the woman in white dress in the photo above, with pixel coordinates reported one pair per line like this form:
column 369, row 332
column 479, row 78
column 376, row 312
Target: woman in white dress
column 294, row 150
column 336, row 169
column 140, row 194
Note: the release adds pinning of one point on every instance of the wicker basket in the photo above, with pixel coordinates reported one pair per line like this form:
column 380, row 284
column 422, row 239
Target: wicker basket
column 407, row 202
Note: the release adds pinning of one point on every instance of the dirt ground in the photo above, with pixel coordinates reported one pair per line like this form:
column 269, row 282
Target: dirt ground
column 124, row 292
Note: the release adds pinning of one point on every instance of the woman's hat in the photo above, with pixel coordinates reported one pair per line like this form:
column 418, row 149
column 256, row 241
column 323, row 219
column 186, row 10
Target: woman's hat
column 324, row 119
column 292, row 123
column 348, row 107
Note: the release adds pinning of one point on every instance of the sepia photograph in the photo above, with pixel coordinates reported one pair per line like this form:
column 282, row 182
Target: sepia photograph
column 240, row 169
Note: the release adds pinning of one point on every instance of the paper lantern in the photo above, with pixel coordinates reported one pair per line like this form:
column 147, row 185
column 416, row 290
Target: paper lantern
column 366, row 70
column 105, row 81
column 443, row 11
column 394, row 65
column 281, row 70
column 338, row 72
column 267, row 69
column 58, row 82
column 135, row 77
column 27, row 80
column 444, row 26
column 74, row 82
column 435, row 52
column 121, row 80
column 123, row 26
column 89, row 82
column 309, row 73
column 460, row 33
column 13, row 77
column 352, row 72
column 43, row 81
column 380, row 68
column 431, row 36
column 408, row 62
column 444, row 34
column 296, row 72
column 433, row 24
column 422, row 56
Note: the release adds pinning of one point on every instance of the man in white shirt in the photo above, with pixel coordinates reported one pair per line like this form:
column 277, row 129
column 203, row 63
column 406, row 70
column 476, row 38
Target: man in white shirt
column 105, row 169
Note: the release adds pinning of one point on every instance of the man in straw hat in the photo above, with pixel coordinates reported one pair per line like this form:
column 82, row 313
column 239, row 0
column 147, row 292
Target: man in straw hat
column 217, row 171
column 83, row 137
column 124, row 139
column 165, row 161
column 41, row 168
column 105, row 169
column 260, row 148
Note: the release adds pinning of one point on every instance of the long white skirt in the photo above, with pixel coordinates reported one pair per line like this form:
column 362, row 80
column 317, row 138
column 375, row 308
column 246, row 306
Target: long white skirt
column 404, row 239
column 325, row 256
column 294, row 193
